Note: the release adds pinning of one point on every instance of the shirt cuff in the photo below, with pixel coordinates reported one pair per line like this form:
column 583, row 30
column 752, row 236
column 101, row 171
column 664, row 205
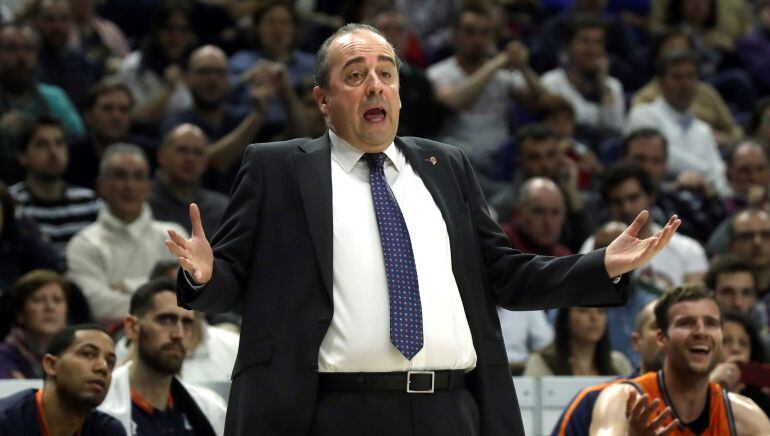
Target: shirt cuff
column 615, row 280
column 195, row 287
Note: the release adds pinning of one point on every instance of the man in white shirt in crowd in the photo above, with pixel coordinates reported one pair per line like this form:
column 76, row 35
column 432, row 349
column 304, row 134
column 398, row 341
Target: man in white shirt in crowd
column 110, row 258
column 692, row 145
column 477, row 83
column 627, row 190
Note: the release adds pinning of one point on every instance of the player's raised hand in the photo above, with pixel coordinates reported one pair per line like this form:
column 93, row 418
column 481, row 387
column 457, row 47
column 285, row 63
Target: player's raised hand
column 194, row 254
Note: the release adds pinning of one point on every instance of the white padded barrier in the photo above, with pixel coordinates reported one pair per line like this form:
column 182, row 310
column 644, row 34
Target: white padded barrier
column 9, row 387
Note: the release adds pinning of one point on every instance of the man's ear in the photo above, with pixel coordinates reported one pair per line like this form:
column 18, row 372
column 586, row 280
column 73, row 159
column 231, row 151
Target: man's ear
column 321, row 99
column 131, row 327
column 662, row 339
column 635, row 341
column 49, row 365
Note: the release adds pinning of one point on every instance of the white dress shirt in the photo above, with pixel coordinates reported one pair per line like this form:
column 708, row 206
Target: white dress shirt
column 691, row 143
column 588, row 112
column 358, row 339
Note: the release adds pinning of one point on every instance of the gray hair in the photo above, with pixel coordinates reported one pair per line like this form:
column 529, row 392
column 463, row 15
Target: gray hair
column 321, row 67
column 120, row 148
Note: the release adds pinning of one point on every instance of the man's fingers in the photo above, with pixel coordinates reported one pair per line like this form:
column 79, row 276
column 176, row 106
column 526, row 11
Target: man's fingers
column 662, row 417
column 630, row 402
column 177, row 239
column 668, row 429
column 175, row 249
column 640, row 405
column 186, row 265
column 195, row 220
column 648, row 410
column 639, row 221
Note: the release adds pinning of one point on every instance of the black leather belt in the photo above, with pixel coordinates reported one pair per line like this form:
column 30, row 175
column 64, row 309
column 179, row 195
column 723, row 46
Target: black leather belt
column 413, row 382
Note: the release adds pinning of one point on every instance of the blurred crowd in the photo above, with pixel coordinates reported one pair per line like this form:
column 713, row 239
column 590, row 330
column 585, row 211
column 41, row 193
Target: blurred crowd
column 576, row 114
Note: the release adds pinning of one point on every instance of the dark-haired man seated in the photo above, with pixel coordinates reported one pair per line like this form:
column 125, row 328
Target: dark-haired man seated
column 78, row 371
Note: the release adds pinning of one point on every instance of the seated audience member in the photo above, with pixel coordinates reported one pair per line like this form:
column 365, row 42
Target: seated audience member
column 691, row 143
column 61, row 64
column 741, row 344
column 580, row 347
column 146, row 396
column 734, row 284
column 539, row 154
column 24, row 98
column 749, row 240
column 99, row 39
column 113, row 256
column 182, row 161
column 78, row 365
column 689, row 197
column 576, row 418
column 59, row 209
column 154, row 72
column 524, row 332
column 275, row 28
column 680, row 396
column 748, row 174
column 627, row 190
column 22, row 249
column 597, row 97
column 754, row 49
column 315, row 124
column 478, row 89
column 538, row 219
column 707, row 104
column 228, row 129
column 421, row 114
column 107, row 114
column 38, row 311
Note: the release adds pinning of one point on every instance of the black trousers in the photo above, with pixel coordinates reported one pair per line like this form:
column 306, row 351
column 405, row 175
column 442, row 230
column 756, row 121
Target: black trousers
column 442, row 413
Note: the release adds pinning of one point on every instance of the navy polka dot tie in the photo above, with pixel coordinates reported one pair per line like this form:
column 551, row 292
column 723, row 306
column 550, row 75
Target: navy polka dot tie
column 404, row 291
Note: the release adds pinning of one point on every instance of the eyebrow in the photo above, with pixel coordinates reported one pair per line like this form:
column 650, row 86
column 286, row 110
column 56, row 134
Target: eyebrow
column 358, row 59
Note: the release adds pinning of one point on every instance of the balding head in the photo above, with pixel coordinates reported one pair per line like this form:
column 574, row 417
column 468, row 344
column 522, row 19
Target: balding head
column 207, row 77
column 540, row 212
column 607, row 233
column 747, row 166
column 750, row 237
column 182, row 155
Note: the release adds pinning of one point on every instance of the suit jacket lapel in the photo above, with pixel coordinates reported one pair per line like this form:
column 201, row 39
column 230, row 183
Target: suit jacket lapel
column 315, row 183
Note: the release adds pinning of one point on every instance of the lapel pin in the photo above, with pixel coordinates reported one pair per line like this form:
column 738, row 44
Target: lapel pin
column 432, row 160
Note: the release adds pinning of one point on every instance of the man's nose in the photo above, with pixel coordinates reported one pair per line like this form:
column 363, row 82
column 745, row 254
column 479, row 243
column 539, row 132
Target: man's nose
column 373, row 84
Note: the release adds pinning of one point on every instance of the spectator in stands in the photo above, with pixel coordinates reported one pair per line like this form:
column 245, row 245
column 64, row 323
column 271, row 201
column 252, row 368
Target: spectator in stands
column 690, row 334
column 539, row 154
column 689, row 196
column 692, row 146
column 60, row 63
column 538, row 219
column 24, row 99
column 754, row 50
column 580, row 347
column 21, row 246
column 742, row 344
column 478, row 88
column 110, row 258
column 748, row 173
column 154, row 73
column 77, row 365
column 715, row 27
column 275, row 28
column 177, row 183
column 59, row 209
column 524, row 333
column 627, row 190
column 596, row 97
column 107, row 114
column 707, row 104
column 38, row 310
column 576, row 418
column 145, row 394
column 421, row 114
column 229, row 130
column 99, row 39
column 314, row 121
column 749, row 239
column 760, row 121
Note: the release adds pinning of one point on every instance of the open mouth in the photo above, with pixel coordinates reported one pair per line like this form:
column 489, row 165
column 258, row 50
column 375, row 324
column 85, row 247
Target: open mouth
column 700, row 350
column 375, row 115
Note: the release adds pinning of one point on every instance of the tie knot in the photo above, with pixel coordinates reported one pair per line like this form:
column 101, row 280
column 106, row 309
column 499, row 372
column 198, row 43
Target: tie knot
column 375, row 160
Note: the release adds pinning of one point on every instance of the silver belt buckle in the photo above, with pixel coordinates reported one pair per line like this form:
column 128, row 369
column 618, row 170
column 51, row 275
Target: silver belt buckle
column 409, row 389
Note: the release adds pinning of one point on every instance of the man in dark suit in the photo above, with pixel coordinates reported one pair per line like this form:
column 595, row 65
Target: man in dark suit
column 352, row 324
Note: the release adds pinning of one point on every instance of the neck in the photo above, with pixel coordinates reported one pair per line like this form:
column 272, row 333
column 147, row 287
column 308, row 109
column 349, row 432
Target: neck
column 127, row 218
column 582, row 357
column 469, row 65
column 45, row 188
column 63, row 417
column 211, row 116
column 278, row 57
column 183, row 191
column 687, row 392
column 763, row 277
column 150, row 384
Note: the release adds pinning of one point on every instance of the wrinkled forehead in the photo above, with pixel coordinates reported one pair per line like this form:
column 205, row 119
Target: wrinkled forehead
column 92, row 338
column 705, row 308
column 359, row 43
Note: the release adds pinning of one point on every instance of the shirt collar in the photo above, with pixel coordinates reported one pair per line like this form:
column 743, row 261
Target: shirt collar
column 683, row 119
column 347, row 156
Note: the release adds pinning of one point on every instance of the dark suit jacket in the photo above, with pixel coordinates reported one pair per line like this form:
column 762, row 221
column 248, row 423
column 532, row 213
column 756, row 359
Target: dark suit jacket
column 273, row 254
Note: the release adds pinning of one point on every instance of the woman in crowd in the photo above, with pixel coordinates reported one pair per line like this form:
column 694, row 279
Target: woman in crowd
column 38, row 303
column 581, row 347
column 741, row 344
column 155, row 72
